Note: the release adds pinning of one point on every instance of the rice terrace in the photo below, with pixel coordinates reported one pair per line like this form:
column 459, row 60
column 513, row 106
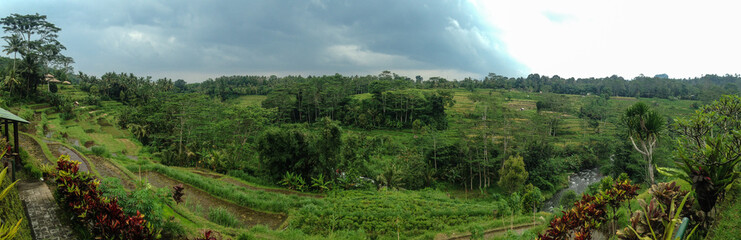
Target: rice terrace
column 367, row 120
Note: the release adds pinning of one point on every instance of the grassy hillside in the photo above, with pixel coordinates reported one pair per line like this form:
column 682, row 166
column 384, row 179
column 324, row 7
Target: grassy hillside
column 344, row 214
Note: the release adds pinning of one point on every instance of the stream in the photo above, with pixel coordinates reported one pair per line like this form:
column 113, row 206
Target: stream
column 577, row 182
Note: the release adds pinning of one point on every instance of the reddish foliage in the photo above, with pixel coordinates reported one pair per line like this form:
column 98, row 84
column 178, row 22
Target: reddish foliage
column 588, row 213
column 207, row 235
column 104, row 217
column 177, row 193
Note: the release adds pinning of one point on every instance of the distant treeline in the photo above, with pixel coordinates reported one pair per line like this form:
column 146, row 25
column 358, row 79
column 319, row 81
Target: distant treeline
column 705, row 88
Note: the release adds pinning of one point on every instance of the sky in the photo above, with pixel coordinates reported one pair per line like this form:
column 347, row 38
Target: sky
column 197, row 40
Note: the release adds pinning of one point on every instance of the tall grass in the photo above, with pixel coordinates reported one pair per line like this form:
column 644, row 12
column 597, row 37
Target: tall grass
column 223, row 217
column 255, row 199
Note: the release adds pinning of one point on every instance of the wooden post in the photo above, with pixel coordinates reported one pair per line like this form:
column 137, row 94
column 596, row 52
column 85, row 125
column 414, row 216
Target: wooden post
column 16, row 149
column 7, row 132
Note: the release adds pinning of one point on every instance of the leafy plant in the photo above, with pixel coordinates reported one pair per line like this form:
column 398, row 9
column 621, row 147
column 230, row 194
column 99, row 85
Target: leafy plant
column 709, row 149
column 208, row 235
column 293, row 182
column 80, row 195
column 588, row 213
column 321, row 184
column 656, row 220
column 8, row 230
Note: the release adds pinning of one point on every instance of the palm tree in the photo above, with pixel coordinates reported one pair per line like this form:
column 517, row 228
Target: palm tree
column 15, row 43
column 644, row 127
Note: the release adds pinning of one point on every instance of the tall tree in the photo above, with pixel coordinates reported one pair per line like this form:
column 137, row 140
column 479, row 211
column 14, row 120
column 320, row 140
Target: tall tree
column 513, row 174
column 14, row 45
column 39, row 45
column 644, row 127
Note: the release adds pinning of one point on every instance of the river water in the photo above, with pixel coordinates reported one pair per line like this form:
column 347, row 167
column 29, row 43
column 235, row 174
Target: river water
column 577, row 182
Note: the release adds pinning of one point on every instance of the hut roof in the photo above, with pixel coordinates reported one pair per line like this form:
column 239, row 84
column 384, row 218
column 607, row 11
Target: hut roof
column 66, row 82
column 5, row 114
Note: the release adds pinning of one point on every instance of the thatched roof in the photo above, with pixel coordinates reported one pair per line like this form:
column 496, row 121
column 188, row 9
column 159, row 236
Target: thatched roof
column 54, row 80
column 66, row 82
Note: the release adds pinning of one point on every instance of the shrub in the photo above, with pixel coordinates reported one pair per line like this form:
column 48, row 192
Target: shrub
column 588, row 213
column 99, row 151
column 79, row 194
column 177, row 193
column 568, row 198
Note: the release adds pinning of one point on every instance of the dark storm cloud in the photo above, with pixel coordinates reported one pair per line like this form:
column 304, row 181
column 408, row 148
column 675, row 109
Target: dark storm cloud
column 201, row 38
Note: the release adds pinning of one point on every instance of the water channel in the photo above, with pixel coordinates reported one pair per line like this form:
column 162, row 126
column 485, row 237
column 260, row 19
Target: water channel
column 578, row 182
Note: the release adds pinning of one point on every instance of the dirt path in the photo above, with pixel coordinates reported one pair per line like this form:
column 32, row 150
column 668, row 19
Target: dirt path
column 107, row 169
column 33, row 148
column 59, row 149
column 199, row 202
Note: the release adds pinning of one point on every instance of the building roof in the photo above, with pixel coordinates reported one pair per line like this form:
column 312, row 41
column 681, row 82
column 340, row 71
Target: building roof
column 5, row 114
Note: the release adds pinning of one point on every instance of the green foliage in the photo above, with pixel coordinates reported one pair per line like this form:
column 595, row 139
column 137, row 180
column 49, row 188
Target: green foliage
column 588, row 213
column 100, row 151
column 383, row 213
column 709, row 149
column 568, row 198
column 146, row 201
column 644, row 127
column 532, row 199
column 53, row 88
column 8, row 230
column 80, row 195
column 513, row 174
column 320, row 184
column 659, row 218
column 293, row 182
column 255, row 199
column 223, row 217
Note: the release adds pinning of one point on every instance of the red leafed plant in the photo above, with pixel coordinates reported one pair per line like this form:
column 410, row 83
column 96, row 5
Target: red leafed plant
column 588, row 213
column 79, row 194
column 208, row 235
column 177, row 193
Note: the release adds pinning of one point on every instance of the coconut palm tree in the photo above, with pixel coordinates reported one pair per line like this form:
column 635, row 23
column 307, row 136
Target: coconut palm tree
column 15, row 44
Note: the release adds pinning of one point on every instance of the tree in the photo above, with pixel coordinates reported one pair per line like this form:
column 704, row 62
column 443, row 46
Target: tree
column 531, row 199
column 513, row 174
column 644, row 127
column 568, row 198
column 14, row 45
column 594, row 111
column 36, row 40
column 40, row 35
column 709, row 149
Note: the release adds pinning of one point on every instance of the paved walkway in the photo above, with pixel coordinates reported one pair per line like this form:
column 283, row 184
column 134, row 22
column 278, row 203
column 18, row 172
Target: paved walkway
column 43, row 212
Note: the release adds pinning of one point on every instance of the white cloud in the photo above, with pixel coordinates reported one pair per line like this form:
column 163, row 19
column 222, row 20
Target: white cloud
column 601, row 38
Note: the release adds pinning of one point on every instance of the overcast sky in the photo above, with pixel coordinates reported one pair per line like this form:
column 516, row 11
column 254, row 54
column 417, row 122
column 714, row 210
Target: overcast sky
column 196, row 40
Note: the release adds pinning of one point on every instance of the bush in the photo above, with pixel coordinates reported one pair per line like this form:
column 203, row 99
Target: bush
column 79, row 194
column 29, row 165
column 53, row 88
column 222, row 217
column 100, row 151
column 568, row 198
